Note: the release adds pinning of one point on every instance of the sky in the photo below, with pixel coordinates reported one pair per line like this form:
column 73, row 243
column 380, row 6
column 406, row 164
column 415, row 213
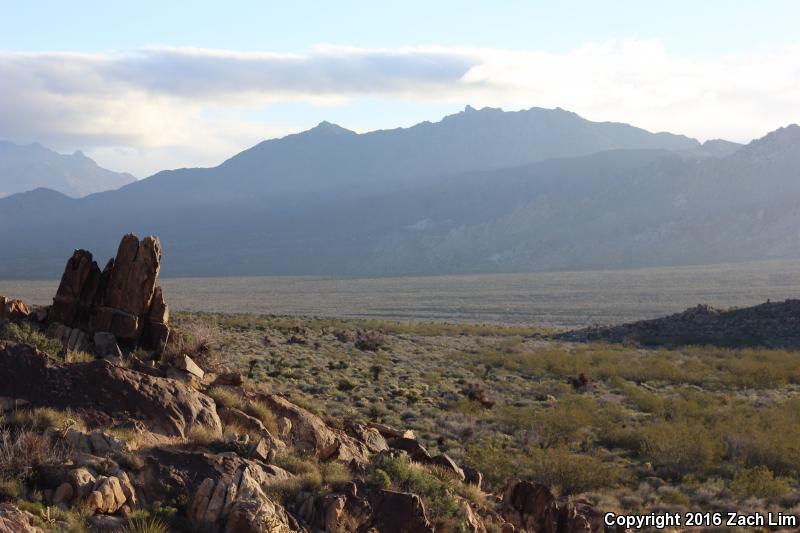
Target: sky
column 145, row 86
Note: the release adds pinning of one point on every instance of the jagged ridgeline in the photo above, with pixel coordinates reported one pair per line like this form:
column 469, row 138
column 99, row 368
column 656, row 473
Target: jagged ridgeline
column 108, row 422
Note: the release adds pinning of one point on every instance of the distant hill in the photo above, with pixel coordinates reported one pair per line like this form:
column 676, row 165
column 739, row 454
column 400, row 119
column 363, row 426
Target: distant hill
column 480, row 191
column 27, row 167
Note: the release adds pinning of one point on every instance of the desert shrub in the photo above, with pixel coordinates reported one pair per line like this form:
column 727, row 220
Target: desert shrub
column 202, row 436
column 369, row 341
column 568, row 472
column 559, row 468
column 260, row 411
column 225, row 397
column 414, row 478
column 198, row 338
column 26, row 334
column 10, row 489
column 42, row 418
column 73, row 356
column 674, row 497
column 679, row 447
column 145, row 525
column 22, row 450
column 759, row 482
column 380, row 478
column 345, row 385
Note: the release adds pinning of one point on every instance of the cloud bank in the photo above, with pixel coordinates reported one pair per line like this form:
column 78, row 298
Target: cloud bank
column 168, row 106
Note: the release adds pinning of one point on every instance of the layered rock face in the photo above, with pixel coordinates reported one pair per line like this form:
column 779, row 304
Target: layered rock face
column 123, row 299
column 168, row 407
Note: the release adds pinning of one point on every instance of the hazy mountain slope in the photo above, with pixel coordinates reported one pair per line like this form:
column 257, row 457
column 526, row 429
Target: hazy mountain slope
column 329, row 159
column 610, row 209
column 24, row 168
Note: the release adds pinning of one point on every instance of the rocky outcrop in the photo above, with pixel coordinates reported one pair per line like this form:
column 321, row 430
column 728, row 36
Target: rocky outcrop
column 13, row 309
column 167, row 406
column 399, row 512
column 123, row 299
column 309, row 432
column 533, row 507
column 226, row 490
column 771, row 324
column 13, row 520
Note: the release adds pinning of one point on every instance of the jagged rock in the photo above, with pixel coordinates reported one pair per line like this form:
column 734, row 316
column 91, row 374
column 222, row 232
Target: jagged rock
column 95, row 443
column 107, row 495
column 399, row 512
column 82, row 481
column 413, row 448
column 238, row 501
column 308, row 430
column 185, row 363
column 533, row 507
column 389, row 432
column 446, row 462
column 370, row 437
column 168, row 407
column 123, row 299
column 13, row 520
column 13, row 309
column 234, row 417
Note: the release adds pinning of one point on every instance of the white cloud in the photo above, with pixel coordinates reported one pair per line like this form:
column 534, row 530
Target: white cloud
column 150, row 108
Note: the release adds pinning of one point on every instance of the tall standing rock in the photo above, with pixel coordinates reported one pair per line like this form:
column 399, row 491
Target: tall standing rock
column 123, row 299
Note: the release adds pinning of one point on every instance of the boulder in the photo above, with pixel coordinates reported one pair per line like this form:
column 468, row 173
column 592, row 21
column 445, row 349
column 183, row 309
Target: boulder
column 399, row 512
column 533, row 507
column 82, row 482
column 13, row 520
column 63, row 494
column 185, row 363
column 13, row 309
column 389, row 432
column 416, row 451
column 122, row 299
column 238, row 501
column 107, row 495
column 164, row 405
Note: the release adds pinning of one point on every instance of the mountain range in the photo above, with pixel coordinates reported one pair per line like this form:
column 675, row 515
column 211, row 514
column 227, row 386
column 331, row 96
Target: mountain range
column 26, row 167
column 479, row 191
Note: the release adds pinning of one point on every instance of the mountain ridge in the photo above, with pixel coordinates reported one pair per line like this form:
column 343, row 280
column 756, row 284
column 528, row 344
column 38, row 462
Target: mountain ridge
column 334, row 202
column 27, row 167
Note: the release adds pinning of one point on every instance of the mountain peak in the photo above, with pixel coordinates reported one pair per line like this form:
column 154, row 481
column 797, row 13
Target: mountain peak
column 330, row 128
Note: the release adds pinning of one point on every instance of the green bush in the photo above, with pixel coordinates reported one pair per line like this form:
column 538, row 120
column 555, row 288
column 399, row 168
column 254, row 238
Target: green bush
column 26, row 334
column 759, row 482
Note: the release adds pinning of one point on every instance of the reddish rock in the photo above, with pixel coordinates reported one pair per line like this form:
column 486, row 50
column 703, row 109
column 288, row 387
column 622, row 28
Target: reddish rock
column 13, row 520
column 167, row 406
column 399, row 512
column 123, row 299
column 13, row 309
column 533, row 507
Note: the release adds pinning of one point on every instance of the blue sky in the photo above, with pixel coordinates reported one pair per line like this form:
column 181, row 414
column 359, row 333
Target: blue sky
column 145, row 85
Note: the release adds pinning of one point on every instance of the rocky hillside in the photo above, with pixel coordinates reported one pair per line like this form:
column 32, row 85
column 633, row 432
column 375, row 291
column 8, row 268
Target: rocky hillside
column 104, row 428
column 771, row 324
column 29, row 167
